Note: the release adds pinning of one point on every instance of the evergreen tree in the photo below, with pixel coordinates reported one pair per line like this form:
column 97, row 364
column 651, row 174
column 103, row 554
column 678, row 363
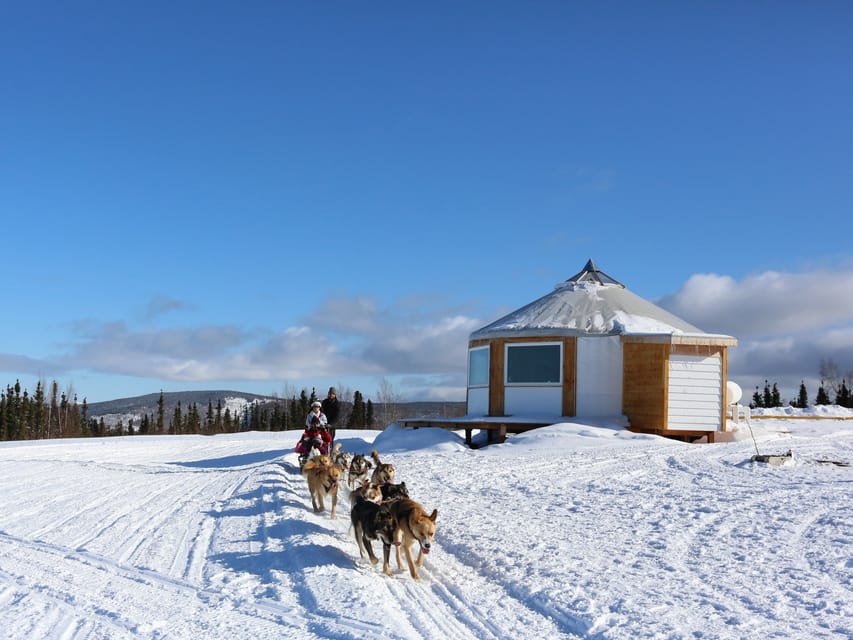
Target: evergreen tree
column 357, row 415
column 304, row 407
column 40, row 423
column 369, row 415
column 177, row 420
column 84, row 416
column 13, row 396
column 757, row 400
column 822, row 397
column 63, row 413
column 278, row 418
column 803, row 397
column 842, row 398
column 767, row 396
column 208, row 418
column 53, row 410
column 161, row 413
column 776, row 397
column 193, row 419
column 293, row 413
column 2, row 417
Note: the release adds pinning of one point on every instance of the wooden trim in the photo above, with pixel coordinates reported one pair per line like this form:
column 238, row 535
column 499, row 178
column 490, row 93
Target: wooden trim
column 702, row 350
column 665, row 373
column 496, row 377
column 754, row 417
column 570, row 386
column 724, row 377
column 673, row 338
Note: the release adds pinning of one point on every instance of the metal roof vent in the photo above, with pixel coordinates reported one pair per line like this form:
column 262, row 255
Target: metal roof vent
column 591, row 273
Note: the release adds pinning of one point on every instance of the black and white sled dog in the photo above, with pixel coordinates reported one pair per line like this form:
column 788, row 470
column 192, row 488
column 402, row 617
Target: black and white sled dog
column 359, row 467
column 342, row 459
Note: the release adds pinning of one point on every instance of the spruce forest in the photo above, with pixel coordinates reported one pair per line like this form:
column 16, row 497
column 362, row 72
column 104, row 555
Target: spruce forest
column 55, row 414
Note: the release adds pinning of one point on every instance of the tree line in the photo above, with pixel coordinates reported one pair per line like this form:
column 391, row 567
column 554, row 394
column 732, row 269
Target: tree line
column 770, row 397
column 55, row 414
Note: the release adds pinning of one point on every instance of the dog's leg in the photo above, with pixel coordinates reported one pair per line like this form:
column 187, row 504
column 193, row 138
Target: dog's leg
column 398, row 542
column 386, row 557
column 334, row 500
column 412, row 570
column 356, row 525
column 369, row 545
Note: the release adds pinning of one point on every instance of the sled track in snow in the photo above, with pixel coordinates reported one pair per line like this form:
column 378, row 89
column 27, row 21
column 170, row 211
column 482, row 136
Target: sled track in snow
column 451, row 600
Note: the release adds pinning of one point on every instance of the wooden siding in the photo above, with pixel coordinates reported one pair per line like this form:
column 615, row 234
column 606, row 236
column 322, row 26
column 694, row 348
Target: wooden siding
column 644, row 384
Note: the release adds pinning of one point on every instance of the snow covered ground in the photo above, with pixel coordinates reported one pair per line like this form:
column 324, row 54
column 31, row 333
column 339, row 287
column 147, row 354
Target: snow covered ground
column 575, row 530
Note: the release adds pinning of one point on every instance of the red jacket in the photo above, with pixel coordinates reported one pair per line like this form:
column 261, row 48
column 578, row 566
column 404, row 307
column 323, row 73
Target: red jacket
column 307, row 440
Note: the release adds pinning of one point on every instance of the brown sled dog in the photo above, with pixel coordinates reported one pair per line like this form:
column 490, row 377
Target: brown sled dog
column 413, row 525
column 384, row 471
column 322, row 477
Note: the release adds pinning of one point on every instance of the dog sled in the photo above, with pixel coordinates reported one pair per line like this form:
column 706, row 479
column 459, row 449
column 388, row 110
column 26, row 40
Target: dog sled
column 305, row 457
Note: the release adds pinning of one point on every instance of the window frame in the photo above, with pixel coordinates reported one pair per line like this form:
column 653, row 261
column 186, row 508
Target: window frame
column 487, row 350
column 533, row 383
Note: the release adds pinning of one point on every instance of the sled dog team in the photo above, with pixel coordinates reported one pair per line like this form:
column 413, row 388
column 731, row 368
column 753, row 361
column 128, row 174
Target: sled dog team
column 379, row 509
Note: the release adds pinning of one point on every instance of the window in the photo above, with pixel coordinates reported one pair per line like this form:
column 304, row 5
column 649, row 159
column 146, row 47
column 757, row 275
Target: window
column 533, row 363
column 478, row 367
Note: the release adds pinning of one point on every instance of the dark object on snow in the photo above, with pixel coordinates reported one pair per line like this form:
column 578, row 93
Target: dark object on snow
column 773, row 460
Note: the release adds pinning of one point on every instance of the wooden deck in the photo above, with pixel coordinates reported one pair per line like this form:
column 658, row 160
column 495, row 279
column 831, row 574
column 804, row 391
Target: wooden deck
column 495, row 428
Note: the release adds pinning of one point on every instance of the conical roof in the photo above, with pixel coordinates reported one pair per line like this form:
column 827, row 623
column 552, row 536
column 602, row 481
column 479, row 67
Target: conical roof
column 590, row 303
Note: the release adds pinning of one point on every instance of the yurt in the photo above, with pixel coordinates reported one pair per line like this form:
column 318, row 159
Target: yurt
column 592, row 348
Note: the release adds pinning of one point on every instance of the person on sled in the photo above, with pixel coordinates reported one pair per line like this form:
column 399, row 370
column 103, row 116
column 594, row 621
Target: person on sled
column 316, row 435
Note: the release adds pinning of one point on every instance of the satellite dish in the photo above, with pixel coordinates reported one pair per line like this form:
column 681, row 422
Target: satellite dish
column 733, row 392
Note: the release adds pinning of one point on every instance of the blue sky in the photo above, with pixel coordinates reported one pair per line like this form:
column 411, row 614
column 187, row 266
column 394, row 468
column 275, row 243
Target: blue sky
column 268, row 196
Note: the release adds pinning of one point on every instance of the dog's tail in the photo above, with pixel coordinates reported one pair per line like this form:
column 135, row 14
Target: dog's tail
column 375, row 455
column 337, row 447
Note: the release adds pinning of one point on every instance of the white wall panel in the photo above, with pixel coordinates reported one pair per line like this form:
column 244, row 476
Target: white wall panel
column 599, row 376
column 695, row 393
column 478, row 401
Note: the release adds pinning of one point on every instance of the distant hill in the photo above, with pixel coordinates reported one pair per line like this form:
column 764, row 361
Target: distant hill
column 134, row 408
column 126, row 409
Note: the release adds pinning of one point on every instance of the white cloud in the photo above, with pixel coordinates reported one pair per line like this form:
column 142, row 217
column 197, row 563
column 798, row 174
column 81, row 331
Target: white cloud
column 766, row 304
column 344, row 336
column 786, row 323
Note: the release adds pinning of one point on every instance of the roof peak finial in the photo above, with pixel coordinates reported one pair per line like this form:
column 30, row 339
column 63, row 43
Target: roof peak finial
column 591, row 273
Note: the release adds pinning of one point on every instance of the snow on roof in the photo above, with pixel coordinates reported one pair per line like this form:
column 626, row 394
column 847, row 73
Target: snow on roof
column 590, row 303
